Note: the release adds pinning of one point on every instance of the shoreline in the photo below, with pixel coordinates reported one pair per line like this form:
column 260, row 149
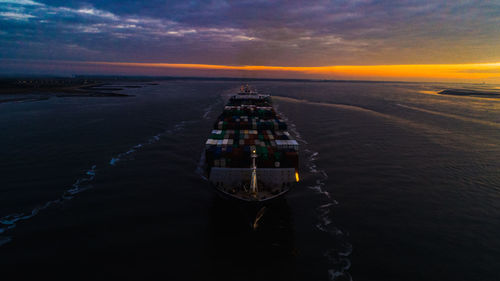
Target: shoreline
column 469, row 93
column 28, row 90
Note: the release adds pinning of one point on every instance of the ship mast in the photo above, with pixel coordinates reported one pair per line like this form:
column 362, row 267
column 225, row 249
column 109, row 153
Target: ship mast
column 253, row 181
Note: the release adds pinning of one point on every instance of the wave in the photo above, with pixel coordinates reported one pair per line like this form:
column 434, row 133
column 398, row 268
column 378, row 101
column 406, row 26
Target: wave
column 338, row 255
column 209, row 109
column 337, row 105
column 291, row 126
column 453, row 116
column 154, row 139
column 81, row 184
column 442, row 136
column 84, row 183
column 201, row 167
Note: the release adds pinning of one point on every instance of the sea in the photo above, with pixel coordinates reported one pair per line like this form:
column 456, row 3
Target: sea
column 397, row 182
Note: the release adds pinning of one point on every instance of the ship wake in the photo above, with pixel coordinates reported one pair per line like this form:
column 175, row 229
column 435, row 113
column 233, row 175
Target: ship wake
column 337, row 255
column 86, row 181
column 81, row 184
column 200, row 167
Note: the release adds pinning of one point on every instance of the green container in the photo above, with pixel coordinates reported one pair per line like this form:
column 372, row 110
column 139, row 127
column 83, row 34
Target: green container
column 277, row 155
column 264, row 149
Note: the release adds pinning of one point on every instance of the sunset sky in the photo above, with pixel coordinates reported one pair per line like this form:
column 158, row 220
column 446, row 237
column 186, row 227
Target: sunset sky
column 360, row 39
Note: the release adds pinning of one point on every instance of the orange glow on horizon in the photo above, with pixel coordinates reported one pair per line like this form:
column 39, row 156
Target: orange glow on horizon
column 476, row 71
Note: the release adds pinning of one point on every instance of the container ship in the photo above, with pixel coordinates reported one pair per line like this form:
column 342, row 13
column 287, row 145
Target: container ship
column 250, row 155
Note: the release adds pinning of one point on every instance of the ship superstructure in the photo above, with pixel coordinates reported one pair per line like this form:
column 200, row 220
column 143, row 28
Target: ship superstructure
column 250, row 155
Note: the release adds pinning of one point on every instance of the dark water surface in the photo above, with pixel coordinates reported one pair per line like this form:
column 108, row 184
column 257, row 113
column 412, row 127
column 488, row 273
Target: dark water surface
column 397, row 183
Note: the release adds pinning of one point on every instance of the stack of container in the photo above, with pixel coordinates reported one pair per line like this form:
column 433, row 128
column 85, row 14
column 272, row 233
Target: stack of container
column 249, row 123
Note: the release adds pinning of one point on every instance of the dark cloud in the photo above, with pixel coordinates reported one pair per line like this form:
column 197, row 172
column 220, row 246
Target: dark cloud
column 252, row 32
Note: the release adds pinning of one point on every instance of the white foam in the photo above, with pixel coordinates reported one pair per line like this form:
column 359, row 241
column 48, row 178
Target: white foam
column 291, row 126
column 324, row 206
column 319, row 190
column 341, row 266
column 12, row 219
column 338, row 274
column 314, row 156
column 122, row 156
column 327, row 226
column 4, row 229
column 113, row 161
column 347, row 251
column 91, row 172
column 201, row 167
column 337, row 257
column 154, row 139
column 333, row 274
column 75, row 190
column 208, row 110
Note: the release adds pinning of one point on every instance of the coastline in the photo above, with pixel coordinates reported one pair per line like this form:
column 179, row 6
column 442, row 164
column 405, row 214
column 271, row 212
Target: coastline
column 469, row 93
column 38, row 89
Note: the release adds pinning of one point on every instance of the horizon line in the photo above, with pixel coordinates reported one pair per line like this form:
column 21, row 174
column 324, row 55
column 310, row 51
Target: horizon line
column 447, row 71
column 465, row 72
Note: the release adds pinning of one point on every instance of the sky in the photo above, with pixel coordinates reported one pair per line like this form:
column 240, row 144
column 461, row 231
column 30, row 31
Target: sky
column 403, row 40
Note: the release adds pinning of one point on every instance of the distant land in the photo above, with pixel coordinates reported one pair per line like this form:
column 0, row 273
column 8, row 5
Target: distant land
column 470, row 93
column 22, row 89
column 74, row 86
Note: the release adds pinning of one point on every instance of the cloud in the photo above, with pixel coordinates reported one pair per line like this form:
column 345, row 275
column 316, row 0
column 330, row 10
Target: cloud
column 288, row 33
column 21, row 2
column 16, row 16
column 86, row 12
column 97, row 13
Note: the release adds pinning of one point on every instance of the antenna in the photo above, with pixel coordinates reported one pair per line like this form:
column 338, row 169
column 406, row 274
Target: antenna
column 253, row 180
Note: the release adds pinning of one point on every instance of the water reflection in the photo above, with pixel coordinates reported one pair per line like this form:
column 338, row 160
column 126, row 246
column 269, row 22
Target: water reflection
column 266, row 252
